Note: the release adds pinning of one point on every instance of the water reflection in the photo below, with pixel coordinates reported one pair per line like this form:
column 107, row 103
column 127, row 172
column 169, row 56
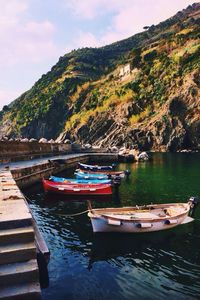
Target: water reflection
column 110, row 245
column 55, row 199
column 163, row 257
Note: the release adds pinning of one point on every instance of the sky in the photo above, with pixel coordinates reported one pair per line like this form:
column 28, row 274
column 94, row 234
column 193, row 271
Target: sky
column 35, row 33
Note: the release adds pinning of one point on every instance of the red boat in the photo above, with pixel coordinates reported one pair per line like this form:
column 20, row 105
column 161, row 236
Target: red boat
column 76, row 189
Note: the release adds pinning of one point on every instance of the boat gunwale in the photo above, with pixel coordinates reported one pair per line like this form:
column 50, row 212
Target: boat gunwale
column 95, row 166
column 85, row 175
column 62, row 180
column 92, row 214
column 100, row 172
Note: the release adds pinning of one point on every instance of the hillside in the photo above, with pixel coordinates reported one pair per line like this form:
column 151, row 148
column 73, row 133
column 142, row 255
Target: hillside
column 142, row 91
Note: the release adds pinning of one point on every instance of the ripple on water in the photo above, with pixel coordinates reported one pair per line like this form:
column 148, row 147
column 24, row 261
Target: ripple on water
column 155, row 266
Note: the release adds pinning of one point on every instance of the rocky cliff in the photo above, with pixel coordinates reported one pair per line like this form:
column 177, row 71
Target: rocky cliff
column 142, row 92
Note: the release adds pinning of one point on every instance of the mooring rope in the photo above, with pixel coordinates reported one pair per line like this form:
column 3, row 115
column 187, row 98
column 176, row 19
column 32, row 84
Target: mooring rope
column 64, row 215
column 27, row 199
column 74, row 215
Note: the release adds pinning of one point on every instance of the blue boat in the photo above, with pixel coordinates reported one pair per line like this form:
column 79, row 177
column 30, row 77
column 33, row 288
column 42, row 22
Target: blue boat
column 79, row 181
column 99, row 176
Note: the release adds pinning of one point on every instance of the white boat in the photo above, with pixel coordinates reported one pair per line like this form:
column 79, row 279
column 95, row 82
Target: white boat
column 138, row 219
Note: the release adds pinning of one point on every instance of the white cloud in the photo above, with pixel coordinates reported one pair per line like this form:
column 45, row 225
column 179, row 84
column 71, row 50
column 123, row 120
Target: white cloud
column 126, row 17
column 12, row 8
column 89, row 9
column 86, row 39
column 27, row 48
column 22, row 39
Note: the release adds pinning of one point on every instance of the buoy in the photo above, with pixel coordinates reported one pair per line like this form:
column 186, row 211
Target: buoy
column 114, row 222
column 170, row 222
column 144, row 225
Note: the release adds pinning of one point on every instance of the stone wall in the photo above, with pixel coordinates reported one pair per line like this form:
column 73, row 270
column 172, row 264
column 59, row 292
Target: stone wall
column 14, row 151
column 32, row 174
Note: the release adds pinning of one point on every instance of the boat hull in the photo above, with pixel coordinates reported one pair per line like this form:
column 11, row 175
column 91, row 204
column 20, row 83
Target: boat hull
column 98, row 189
column 97, row 176
column 105, row 173
column 107, row 221
column 101, row 225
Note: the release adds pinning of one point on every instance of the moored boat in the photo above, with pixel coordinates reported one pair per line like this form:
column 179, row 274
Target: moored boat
column 79, row 181
column 76, row 189
column 108, row 173
column 84, row 175
column 94, row 167
column 137, row 219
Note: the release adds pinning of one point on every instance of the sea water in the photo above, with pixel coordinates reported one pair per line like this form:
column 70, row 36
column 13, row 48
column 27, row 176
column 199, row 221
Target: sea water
column 160, row 265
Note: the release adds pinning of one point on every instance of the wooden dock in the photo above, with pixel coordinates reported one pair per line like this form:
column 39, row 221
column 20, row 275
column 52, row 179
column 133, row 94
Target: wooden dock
column 19, row 278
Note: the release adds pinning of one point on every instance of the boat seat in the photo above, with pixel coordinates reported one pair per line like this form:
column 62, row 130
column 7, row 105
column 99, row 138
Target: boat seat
column 141, row 215
column 173, row 211
column 162, row 214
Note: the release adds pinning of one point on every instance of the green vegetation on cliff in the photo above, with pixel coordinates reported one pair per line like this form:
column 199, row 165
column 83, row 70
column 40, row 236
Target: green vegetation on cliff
column 84, row 97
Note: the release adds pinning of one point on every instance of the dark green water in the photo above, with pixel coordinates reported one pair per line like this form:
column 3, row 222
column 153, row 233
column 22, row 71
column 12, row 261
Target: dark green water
column 163, row 265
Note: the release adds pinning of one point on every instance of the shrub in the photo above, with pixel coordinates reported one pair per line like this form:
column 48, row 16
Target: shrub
column 150, row 56
column 140, row 117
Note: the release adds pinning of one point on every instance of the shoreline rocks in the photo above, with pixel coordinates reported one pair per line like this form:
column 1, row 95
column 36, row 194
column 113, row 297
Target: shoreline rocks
column 131, row 155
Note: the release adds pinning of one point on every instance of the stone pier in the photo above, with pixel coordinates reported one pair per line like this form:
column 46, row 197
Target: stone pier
column 19, row 275
column 19, row 272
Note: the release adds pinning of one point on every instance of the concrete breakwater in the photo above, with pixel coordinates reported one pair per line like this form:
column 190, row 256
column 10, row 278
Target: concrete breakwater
column 17, row 150
column 26, row 176
column 14, row 150
column 19, row 273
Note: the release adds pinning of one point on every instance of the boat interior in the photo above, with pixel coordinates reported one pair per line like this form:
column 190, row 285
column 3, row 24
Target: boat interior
column 145, row 212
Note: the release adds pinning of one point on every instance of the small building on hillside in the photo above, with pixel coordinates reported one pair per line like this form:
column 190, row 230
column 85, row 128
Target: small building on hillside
column 125, row 70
